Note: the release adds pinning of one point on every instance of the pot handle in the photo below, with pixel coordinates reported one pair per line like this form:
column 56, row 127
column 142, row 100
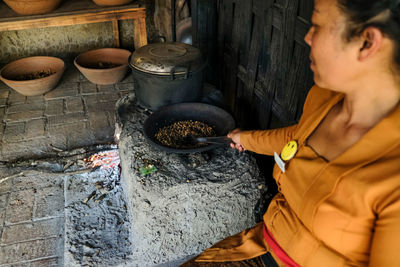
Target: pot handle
column 181, row 68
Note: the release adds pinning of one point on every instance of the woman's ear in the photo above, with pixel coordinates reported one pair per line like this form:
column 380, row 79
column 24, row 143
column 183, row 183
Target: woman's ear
column 371, row 40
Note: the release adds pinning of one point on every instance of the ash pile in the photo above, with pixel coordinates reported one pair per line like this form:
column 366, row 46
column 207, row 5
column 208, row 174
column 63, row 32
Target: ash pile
column 181, row 204
column 97, row 221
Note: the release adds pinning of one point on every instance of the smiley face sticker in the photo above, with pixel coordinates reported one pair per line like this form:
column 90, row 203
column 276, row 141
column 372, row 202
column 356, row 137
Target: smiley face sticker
column 289, row 150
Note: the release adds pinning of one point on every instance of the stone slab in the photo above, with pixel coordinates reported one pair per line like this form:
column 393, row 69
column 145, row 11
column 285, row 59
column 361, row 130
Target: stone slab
column 14, row 132
column 100, row 126
column 19, row 264
column 74, row 104
column 107, row 89
column 30, row 231
column 3, row 102
column 38, row 147
column 30, row 250
column 88, row 88
column 35, row 99
column 34, row 128
column 3, row 200
column 36, row 180
column 4, row 93
column 15, row 98
column 2, row 127
column 49, row 262
column 54, row 107
column 63, row 90
column 2, row 113
column 20, row 206
column 101, row 97
column 34, row 105
column 6, row 185
column 71, row 75
column 79, row 136
column 25, row 115
column 65, row 119
column 49, row 202
column 2, row 217
column 101, row 107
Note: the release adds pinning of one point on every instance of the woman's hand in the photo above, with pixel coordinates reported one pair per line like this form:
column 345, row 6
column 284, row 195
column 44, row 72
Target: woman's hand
column 235, row 136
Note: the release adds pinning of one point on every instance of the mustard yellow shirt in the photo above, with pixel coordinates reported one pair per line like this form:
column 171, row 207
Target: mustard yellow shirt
column 345, row 212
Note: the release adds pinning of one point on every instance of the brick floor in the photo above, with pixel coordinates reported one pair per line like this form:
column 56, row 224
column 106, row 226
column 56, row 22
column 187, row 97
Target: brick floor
column 76, row 113
column 32, row 220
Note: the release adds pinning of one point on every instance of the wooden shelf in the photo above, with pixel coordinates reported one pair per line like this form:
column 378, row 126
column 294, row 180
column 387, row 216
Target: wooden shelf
column 73, row 12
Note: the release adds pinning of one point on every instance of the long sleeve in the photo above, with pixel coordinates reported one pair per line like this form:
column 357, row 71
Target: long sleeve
column 267, row 141
column 385, row 247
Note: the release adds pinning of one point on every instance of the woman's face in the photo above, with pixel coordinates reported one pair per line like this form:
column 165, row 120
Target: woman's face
column 332, row 59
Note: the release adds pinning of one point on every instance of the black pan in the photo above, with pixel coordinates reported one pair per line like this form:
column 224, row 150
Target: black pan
column 221, row 121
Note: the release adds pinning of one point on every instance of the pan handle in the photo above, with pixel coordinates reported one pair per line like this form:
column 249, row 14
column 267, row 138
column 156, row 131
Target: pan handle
column 214, row 140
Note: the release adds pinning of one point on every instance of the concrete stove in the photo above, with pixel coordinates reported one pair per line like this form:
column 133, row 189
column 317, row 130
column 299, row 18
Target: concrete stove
column 189, row 201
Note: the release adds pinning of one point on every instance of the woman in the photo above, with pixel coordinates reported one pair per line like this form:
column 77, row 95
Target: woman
column 338, row 169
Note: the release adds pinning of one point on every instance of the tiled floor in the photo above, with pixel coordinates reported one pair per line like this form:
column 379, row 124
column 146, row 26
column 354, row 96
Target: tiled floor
column 76, row 113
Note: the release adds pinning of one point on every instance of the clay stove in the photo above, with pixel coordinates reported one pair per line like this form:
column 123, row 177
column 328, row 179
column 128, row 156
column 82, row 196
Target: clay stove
column 189, row 201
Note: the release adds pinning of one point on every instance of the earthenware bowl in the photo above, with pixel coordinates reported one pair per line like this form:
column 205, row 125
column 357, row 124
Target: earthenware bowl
column 32, row 7
column 33, row 75
column 104, row 65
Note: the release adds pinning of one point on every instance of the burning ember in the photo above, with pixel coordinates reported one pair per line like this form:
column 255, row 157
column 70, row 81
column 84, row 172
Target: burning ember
column 104, row 160
column 108, row 164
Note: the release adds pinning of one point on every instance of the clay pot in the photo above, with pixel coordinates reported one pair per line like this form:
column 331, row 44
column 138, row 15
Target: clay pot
column 32, row 7
column 11, row 74
column 111, row 2
column 103, row 66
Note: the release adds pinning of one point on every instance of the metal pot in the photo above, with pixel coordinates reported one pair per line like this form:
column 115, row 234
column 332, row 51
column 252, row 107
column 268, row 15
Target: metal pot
column 220, row 120
column 167, row 73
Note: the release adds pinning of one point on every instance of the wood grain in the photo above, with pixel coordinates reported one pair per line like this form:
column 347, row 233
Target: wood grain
column 140, row 34
column 75, row 12
column 116, row 33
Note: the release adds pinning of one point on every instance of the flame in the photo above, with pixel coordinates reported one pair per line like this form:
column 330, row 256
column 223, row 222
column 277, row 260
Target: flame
column 107, row 159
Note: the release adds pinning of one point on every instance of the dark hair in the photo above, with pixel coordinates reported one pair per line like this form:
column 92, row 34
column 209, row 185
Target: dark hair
column 383, row 14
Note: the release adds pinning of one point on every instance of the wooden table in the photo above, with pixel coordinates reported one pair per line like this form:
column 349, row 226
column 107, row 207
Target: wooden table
column 74, row 12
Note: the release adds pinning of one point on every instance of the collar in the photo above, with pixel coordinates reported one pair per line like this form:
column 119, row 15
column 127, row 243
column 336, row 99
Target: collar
column 378, row 141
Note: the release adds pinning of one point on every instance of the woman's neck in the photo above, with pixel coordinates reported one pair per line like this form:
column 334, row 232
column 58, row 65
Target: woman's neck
column 369, row 103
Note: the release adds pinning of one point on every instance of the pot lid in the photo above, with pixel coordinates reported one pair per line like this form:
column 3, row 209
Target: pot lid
column 167, row 58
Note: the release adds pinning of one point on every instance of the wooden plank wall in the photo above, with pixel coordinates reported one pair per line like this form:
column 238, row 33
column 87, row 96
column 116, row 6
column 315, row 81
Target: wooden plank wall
column 204, row 20
column 263, row 61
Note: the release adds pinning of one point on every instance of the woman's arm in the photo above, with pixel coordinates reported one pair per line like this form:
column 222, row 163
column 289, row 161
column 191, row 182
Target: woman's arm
column 262, row 141
column 385, row 247
column 269, row 141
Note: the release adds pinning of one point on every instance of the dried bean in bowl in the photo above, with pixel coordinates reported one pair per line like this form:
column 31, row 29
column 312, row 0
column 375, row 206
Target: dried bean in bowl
column 176, row 134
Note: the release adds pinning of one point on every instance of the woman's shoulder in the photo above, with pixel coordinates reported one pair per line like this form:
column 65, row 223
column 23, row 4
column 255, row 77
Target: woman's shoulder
column 320, row 95
column 317, row 97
